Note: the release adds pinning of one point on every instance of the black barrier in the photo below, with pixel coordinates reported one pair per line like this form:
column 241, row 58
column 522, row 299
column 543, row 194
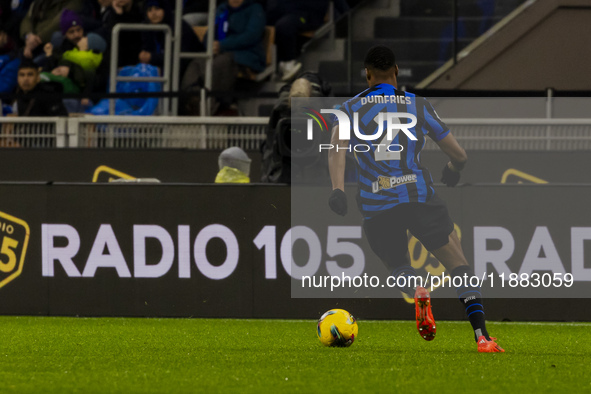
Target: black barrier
column 247, row 93
column 201, row 166
column 84, row 165
column 185, row 250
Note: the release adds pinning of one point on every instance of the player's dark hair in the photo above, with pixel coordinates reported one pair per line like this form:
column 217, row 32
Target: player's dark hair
column 28, row 63
column 380, row 57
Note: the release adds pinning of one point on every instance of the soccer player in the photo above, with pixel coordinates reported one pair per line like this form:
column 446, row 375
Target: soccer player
column 396, row 192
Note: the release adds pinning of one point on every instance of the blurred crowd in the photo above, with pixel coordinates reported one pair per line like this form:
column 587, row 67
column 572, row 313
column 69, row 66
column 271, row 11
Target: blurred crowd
column 65, row 45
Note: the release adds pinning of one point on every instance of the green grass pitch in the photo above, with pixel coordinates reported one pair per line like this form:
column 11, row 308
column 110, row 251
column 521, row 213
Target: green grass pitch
column 117, row 355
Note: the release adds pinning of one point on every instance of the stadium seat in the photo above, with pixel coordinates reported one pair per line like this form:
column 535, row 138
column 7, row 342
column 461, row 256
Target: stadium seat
column 270, row 51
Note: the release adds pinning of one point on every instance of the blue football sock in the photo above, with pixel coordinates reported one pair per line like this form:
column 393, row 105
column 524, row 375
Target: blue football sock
column 471, row 299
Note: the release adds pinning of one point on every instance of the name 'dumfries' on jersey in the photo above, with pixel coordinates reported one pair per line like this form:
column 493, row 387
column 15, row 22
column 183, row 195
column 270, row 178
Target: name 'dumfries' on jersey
column 385, row 182
column 385, row 99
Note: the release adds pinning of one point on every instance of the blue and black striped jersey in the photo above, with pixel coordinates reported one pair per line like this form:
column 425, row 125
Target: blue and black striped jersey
column 388, row 178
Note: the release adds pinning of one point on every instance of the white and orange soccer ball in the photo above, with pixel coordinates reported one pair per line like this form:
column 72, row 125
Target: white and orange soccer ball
column 337, row 327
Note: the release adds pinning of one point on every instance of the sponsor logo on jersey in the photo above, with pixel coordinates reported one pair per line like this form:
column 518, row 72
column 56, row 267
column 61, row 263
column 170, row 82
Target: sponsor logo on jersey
column 385, row 182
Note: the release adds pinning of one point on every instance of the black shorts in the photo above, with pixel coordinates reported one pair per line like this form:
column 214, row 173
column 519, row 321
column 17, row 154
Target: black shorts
column 429, row 222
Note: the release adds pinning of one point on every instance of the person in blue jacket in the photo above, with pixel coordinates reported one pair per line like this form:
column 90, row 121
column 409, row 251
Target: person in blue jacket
column 8, row 72
column 237, row 46
column 239, row 30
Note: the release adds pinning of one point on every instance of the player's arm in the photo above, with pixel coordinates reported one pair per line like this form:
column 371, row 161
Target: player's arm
column 336, row 168
column 457, row 159
column 336, row 159
column 457, row 155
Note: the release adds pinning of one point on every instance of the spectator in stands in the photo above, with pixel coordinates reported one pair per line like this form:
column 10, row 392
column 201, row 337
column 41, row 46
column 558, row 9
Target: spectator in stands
column 74, row 79
column 5, row 16
column 13, row 13
column 238, row 45
column 234, row 165
column 41, row 21
column 124, row 11
column 75, row 56
column 71, row 29
column 8, row 70
column 92, row 14
column 291, row 18
column 73, row 44
column 95, row 17
column 67, row 74
column 159, row 11
column 29, row 103
column 9, row 62
column 7, row 43
column 239, row 30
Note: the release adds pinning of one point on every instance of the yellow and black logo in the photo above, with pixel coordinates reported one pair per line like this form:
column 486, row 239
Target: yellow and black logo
column 108, row 174
column 513, row 175
column 14, row 238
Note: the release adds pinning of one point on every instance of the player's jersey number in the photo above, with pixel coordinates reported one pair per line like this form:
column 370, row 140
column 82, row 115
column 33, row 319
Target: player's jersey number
column 381, row 152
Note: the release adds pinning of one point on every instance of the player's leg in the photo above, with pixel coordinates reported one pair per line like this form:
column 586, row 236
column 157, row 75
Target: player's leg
column 435, row 229
column 387, row 237
column 452, row 257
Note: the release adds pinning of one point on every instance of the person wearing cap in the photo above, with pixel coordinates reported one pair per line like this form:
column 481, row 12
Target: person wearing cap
column 234, row 165
column 72, row 43
column 71, row 28
column 41, row 21
column 72, row 35
column 77, row 56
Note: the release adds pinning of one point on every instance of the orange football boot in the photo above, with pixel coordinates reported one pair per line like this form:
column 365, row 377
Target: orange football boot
column 485, row 346
column 425, row 320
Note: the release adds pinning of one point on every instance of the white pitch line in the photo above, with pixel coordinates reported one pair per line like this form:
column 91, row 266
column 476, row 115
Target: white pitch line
column 315, row 320
column 525, row 323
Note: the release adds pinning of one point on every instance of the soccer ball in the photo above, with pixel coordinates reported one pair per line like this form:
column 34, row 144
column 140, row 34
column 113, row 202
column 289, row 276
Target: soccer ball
column 337, row 327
